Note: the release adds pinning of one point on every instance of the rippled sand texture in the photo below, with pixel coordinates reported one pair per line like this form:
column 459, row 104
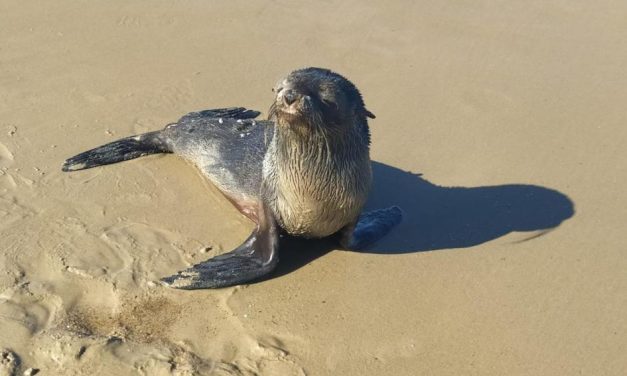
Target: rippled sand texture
column 500, row 130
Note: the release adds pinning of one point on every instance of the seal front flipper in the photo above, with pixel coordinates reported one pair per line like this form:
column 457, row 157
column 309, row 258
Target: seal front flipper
column 370, row 227
column 256, row 257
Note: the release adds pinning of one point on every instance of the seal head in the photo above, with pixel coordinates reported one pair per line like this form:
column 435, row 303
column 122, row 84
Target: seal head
column 317, row 97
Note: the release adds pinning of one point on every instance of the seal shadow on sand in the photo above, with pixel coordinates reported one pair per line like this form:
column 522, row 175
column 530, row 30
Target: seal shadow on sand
column 437, row 218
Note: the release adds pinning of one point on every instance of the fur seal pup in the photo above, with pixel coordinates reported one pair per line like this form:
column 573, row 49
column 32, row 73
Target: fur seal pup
column 305, row 170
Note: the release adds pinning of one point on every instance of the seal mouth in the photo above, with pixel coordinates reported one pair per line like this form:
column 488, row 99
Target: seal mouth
column 289, row 115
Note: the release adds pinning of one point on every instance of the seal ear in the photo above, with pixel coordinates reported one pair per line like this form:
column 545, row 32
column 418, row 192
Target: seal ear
column 369, row 114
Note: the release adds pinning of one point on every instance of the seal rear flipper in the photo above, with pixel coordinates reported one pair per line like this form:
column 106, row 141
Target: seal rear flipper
column 118, row 151
column 370, row 227
column 256, row 257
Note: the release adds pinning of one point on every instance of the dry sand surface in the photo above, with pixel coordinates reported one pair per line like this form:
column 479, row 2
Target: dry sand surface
column 501, row 130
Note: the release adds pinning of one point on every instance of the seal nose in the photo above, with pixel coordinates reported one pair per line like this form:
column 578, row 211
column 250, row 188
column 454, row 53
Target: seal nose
column 289, row 96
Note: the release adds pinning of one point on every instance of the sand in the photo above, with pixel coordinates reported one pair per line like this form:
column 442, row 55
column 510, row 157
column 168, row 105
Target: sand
column 500, row 130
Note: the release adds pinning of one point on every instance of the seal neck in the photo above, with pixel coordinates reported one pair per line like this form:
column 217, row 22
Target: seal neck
column 315, row 182
column 309, row 146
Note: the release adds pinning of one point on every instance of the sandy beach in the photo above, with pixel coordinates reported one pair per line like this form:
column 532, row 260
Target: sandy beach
column 500, row 130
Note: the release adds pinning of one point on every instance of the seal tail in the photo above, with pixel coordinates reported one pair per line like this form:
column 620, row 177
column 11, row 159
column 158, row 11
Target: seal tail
column 118, row 151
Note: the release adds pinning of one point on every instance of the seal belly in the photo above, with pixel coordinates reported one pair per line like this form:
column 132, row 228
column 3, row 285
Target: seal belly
column 311, row 218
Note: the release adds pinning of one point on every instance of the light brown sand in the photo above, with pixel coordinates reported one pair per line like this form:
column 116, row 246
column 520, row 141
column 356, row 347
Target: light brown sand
column 470, row 94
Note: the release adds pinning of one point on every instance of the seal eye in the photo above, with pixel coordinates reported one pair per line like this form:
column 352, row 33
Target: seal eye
column 330, row 99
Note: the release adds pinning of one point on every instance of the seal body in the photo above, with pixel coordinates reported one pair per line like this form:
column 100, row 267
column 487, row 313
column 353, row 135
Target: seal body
column 228, row 151
column 304, row 171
